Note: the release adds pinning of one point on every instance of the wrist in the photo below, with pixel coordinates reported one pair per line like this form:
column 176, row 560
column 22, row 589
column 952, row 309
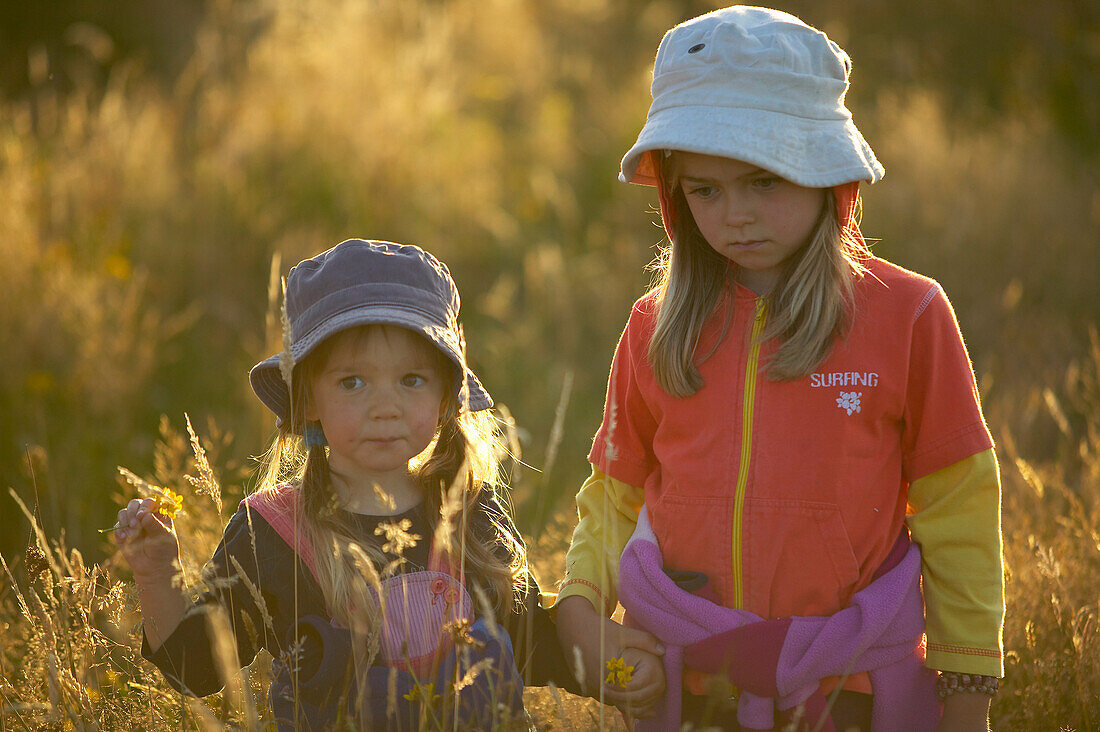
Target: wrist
column 965, row 712
column 163, row 579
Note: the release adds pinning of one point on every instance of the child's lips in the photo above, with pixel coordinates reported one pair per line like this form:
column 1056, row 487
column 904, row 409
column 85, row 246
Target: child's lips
column 754, row 244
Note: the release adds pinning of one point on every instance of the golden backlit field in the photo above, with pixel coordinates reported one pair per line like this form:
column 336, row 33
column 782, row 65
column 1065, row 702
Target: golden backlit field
column 146, row 204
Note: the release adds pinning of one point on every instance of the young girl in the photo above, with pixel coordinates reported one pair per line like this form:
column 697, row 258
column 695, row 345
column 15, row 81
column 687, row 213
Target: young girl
column 376, row 561
column 784, row 411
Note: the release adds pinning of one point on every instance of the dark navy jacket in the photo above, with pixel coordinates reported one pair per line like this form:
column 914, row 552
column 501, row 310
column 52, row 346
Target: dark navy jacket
column 297, row 609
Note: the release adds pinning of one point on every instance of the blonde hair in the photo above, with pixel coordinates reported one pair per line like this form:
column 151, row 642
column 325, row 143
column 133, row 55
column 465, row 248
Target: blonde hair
column 808, row 309
column 454, row 470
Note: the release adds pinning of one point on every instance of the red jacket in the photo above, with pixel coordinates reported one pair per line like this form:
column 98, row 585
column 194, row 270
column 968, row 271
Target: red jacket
column 789, row 495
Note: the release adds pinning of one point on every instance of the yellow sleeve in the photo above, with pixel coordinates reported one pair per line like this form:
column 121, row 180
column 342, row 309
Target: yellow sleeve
column 608, row 512
column 955, row 516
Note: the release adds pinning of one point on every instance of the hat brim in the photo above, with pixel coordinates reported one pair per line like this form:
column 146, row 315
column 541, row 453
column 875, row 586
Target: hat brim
column 267, row 380
column 813, row 153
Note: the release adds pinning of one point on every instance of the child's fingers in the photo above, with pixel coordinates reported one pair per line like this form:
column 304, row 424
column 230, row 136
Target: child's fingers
column 643, row 694
column 139, row 515
column 643, row 690
column 134, row 510
column 637, row 698
column 126, row 521
column 633, row 712
column 127, row 513
column 636, row 702
column 641, row 640
column 154, row 523
column 647, row 685
column 644, row 707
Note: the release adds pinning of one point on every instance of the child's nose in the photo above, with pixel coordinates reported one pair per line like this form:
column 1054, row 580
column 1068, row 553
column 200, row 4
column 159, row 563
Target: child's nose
column 385, row 403
column 738, row 210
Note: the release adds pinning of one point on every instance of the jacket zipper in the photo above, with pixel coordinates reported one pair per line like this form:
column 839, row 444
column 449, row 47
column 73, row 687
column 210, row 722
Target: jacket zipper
column 746, row 445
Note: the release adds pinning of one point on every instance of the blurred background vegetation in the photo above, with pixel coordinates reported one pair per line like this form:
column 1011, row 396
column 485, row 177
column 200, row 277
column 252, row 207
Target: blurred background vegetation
column 160, row 161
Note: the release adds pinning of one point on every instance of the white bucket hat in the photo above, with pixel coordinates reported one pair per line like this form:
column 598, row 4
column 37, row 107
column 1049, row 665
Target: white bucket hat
column 760, row 86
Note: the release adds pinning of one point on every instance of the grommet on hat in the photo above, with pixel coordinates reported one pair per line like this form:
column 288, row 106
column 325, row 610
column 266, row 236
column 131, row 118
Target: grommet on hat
column 759, row 86
column 361, row 282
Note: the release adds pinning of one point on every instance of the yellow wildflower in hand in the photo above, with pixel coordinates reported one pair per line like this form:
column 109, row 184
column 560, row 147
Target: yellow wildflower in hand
column 170, row 503
column 619, row 673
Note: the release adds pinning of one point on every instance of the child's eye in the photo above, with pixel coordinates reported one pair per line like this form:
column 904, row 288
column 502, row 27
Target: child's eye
column 766, row 183
column 350, row 383
column 702, row 191
column 413, row 380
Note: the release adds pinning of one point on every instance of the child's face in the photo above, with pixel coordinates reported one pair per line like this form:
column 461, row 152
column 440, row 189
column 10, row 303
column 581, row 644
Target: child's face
column 378, row 397
column 748, row 215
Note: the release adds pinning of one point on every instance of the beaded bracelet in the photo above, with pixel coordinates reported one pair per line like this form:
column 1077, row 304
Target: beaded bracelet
column 952, row 682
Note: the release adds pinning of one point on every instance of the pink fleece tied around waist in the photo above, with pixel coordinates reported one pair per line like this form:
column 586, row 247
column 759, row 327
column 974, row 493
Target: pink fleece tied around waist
column 779, row 663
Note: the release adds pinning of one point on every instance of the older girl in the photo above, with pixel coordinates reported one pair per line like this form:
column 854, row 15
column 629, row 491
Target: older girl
column 784, row 410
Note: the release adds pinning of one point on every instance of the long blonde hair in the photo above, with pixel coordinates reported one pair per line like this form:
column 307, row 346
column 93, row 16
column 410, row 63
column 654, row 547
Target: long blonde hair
column 809, row 308
column 460, row 464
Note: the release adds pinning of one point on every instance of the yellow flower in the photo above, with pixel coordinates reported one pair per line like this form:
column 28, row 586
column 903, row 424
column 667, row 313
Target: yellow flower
column 425, row 693
column 119, row 267
column 619, row 673
column 170, row 503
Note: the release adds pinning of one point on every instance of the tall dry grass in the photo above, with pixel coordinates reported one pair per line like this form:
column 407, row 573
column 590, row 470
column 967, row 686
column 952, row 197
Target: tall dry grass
column 138, row 222
column 70, row 655
column 70, row 647
column 1052, row 556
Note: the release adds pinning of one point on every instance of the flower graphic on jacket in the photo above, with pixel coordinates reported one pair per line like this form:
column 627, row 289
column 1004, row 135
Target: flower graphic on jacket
column 398, row 538
column 849, row 401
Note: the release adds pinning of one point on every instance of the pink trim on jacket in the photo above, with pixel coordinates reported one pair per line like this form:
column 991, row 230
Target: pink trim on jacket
column 417, row 606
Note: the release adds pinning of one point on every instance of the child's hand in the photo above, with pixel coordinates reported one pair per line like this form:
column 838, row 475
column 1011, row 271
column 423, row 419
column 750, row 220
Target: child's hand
column 579, row 625
column 148, row 542
column 646, row 687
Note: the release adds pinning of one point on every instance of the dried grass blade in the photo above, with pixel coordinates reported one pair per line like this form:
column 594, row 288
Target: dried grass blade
column 206, row 483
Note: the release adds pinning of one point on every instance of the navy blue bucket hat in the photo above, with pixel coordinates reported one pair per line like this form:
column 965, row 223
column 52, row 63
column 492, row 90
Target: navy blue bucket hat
column 361, row 282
